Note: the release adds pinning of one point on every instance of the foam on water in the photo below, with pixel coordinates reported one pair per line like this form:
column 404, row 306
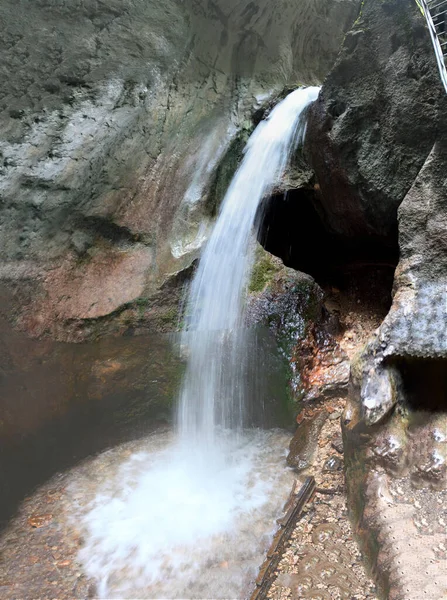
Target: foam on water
column 160, row 524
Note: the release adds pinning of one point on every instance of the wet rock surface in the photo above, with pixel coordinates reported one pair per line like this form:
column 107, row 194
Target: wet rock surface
column 323, row 559
column 288, row 303
column 115, row 118
column 305, row 441
column 395, row 482
column 292, row 305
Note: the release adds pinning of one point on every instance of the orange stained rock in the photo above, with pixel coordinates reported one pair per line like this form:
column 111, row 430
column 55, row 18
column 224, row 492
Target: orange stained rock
column 38, row 521
column 63, row 563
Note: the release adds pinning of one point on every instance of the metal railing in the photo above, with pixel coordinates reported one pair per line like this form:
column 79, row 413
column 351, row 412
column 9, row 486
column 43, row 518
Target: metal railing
column 435, row 12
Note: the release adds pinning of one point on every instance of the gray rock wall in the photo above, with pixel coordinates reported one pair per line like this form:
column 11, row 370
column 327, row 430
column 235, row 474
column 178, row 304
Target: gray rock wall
column 113, row 117
column 377, row 118
column 377, row 145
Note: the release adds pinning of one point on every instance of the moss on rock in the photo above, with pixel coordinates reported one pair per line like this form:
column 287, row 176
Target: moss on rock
column 265, row 268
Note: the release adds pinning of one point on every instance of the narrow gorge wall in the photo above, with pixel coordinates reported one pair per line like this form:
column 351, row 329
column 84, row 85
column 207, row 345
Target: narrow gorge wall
column 113, row 118
column 377, row 196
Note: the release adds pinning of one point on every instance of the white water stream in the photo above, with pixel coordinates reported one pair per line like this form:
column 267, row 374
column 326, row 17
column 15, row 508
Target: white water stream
column 190, row 516
column 213, row 392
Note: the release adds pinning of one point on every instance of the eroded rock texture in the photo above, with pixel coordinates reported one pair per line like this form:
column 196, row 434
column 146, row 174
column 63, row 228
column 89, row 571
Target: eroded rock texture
column 380, row 112
column 377, row 145
column 113, row 118
column 396, row 420
column 377, row 118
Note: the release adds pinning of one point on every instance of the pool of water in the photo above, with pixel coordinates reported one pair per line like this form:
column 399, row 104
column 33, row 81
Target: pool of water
column 161, row 520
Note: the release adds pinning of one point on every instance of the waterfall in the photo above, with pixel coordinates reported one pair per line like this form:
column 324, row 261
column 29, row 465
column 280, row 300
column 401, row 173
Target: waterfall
column 213, row 389
column 193, row 519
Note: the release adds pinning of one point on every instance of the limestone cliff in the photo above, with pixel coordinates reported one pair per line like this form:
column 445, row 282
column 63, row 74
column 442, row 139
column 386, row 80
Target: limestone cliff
column 113, row 118
column 377, row 146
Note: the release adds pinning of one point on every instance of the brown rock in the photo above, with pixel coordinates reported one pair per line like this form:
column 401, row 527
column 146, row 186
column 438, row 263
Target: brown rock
column 305, row 440
column 38, row 521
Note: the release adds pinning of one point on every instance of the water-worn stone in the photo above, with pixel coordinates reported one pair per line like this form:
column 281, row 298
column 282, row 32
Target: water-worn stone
column 337, row 444
column 328, row 378
column 289, row 303
column 304, row 442
column 333, row 463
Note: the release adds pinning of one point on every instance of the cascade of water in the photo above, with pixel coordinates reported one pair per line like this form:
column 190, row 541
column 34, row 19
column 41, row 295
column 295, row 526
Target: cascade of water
column 192, row 520
column 213, row 387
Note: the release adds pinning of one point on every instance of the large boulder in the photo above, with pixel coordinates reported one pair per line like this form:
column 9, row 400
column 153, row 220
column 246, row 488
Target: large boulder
column 380, row 111
column 376, row 120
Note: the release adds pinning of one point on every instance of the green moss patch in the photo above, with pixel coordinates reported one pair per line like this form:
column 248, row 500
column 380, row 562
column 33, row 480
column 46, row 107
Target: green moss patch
column 263, row 271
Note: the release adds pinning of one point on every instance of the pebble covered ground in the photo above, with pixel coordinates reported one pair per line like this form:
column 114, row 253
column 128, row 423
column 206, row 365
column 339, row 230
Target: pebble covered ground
column 38, row 551
column 323, row 560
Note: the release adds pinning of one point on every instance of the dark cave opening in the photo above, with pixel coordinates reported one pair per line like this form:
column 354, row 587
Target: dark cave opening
column 424, row 383
column 290, row 226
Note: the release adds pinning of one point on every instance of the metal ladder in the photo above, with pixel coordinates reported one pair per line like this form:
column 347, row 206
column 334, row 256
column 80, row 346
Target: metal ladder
column 435, row 12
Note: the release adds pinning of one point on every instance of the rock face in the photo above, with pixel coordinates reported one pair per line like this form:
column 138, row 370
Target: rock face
column 390, row 454
column 377, row 145
column 396, row 474
column 381, row 110
column 62, row 402
column 376, row 120
column 114, row 117
column 290, row 305
column 414, row 329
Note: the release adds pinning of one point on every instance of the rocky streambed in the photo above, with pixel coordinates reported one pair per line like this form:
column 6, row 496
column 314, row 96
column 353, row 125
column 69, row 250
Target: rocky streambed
column 380, row 493
column 115, row 154
column 47, row 547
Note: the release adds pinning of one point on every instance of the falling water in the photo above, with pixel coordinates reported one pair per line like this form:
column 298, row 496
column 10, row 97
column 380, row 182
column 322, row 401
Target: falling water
column 214, row 388
column 189, row 514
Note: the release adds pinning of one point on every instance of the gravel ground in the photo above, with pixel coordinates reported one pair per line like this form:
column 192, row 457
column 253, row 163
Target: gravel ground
column 323, row 560
column 39, row 551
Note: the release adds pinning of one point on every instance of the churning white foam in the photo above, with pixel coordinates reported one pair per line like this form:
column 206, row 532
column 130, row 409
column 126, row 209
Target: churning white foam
column 166, row 524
